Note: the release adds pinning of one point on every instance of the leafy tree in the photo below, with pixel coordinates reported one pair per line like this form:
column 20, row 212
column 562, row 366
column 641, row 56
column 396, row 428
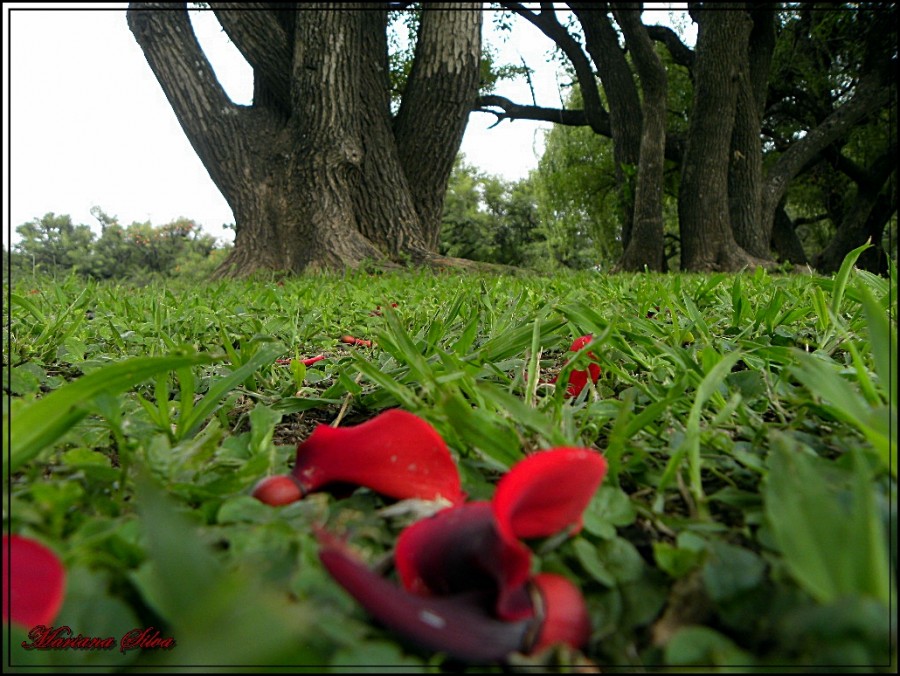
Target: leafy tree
column 775, row 89
column 491, row 220
column 318, row 171
column 53, row 242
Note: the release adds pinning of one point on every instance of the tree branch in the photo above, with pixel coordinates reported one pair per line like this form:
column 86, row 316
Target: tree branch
column 510, row 110
column 515, row 111
column 260, row 38
column 546, row 21
column 681, row 53
column 214, row 125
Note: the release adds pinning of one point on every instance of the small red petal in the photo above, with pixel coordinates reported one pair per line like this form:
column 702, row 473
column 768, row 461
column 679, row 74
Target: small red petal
column 395, row 453
column 278, row 490
column 458, row 625
column 566, row 618
column 350, row 340
column 34, row 582
column 313, row 360
column 547, row 492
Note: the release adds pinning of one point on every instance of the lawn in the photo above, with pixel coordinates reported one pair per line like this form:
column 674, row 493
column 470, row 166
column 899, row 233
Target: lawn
column 747, row 517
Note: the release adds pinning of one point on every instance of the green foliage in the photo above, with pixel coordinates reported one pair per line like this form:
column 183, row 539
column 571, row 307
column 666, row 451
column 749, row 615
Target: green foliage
column 487, row 219
column 54, row 245
column 745, row 520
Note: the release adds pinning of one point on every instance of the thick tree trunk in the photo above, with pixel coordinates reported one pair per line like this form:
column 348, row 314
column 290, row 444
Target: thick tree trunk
column 602, row 43
column 745, row 175
column 645, row 248
column 441, row 90
column 707, row 241
column 314, row 171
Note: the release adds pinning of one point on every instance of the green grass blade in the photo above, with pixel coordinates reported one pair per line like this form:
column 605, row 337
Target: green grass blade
column 41, row 423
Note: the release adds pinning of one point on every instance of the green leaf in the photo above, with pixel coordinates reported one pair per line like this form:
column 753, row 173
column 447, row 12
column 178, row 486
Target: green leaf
column 38, row 425
column 832, row 541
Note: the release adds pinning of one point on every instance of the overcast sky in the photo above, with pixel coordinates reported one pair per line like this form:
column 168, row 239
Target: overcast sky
column 89, row 123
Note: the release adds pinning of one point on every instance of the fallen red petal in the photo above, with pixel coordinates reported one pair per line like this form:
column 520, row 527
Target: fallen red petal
column 34, row 582
column 350, row 340
column 547, row 492
column 306, row 362
column 565, row 615
column 395, row 453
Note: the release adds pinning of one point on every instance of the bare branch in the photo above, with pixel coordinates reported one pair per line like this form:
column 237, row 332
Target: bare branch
column 547, row 22
column 515, row 111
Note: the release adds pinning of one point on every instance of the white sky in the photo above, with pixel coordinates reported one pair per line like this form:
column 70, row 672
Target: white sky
column 89, row 123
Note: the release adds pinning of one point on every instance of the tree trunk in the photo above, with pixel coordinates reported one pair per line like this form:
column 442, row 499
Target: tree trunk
column 745, row 175
column 865, row 219
column 645, row 248
column 785, row 240
column 602, row 43
column 707, row 241
column 315, row 172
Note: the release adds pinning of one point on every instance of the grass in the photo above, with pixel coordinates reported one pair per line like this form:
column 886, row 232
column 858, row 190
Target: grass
column 749, row 421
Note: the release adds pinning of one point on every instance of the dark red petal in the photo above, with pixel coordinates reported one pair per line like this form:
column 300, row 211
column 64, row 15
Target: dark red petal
column 458, row 625
column 460, row 549
column 396, row 454
column 565, row 615
column 34, row 582
column 278, row 490
column 547, row 492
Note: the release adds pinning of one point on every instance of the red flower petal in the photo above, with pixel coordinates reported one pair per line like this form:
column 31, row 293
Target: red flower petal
column 460, row 549
column 459, row 625
column 395, row 453
column 547, row 492
column 350, row 340
column 33, row 582
column 578, row 377
column 565, row 615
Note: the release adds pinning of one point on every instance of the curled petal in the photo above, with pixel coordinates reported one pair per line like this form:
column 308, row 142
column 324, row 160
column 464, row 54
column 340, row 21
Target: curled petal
column 396, row 454
column 34, row 582
column 564, row 613
column 460, row 549
column 547, row 492
column 459, row 625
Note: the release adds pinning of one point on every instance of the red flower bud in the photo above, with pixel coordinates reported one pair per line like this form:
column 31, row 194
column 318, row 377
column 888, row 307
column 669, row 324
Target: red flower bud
column 34, row 582
column 278, row 490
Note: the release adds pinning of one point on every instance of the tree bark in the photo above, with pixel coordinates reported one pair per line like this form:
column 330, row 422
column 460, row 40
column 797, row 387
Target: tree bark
column 644, row 250
column 625, row 115
column 785, row 240
column 707, row 241
column 316, row 173
column 745, row 175
column 440, row 93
